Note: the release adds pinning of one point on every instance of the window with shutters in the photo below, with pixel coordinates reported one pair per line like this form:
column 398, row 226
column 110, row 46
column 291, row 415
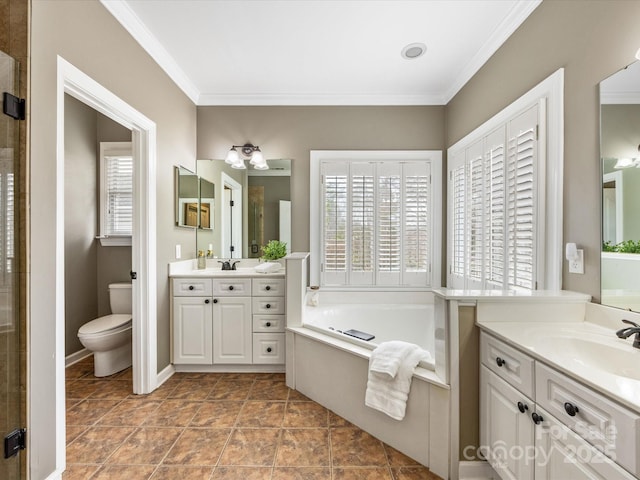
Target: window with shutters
column 505, row 225
column 376, row 217
column 116, row 193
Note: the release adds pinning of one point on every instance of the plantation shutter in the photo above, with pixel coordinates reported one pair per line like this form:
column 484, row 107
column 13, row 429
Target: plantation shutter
column 119, row 185
column 362, row 223
column 474, row 251
column 389, row 223
column 334, row 196
column 417, row 223
column 457, row 194
column 521, row 199
column 494, row 214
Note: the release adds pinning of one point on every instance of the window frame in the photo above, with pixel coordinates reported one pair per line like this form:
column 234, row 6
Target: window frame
column 109, row 149
column 434, row 157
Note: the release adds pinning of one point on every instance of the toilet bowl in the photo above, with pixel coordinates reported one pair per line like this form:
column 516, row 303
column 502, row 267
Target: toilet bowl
column 109, row 337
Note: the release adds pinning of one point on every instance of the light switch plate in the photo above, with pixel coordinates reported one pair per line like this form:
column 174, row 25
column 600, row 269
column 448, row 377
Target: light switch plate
column 577, row 266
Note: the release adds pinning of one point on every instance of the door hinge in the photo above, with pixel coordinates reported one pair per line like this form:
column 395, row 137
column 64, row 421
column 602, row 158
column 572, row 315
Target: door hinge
column 14, row 442
column 231, row 203
column 133, row 275
column 232, row 248
column 13, row 106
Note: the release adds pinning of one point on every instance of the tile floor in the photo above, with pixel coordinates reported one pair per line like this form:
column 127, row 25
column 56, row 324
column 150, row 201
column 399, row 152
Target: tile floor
column 216, row 426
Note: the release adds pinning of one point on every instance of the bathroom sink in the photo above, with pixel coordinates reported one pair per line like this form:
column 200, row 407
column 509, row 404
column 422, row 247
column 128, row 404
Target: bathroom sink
column 607, row 355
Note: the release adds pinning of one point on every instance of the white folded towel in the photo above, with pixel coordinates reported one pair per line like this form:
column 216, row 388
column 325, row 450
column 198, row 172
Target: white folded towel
column 268, row 267
column 388, row 392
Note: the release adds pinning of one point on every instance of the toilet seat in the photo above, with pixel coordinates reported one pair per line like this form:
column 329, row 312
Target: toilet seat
column 106, row 325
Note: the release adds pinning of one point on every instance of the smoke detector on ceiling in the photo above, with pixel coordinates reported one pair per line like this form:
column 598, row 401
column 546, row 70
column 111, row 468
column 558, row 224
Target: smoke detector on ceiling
column 413, row 50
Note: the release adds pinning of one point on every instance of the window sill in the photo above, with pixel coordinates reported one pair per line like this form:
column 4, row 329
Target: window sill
column 124, row 241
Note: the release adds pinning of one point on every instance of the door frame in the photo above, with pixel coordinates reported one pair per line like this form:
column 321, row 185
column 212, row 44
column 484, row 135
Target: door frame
column 74, row 82
column 236, row 222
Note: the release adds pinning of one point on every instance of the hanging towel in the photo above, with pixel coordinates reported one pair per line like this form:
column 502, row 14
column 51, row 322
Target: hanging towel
column 386, row 392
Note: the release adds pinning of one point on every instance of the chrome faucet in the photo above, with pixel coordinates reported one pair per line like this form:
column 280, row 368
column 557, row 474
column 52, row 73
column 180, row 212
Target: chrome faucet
column 628, row 331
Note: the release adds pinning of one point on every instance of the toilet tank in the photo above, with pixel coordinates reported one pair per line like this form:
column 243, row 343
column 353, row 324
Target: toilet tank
column 120, row 297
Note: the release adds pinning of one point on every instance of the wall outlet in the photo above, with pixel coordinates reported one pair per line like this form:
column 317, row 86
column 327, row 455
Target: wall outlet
column 178, row 252
column 577, row 265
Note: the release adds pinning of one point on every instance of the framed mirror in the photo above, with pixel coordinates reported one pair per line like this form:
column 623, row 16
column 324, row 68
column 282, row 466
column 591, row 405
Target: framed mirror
column 187, row 198
column 206, row 203
column 252, row 207
column 620, row 160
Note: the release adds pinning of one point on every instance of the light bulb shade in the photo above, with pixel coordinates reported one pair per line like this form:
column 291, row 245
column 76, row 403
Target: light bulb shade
column 261, row 166
column 232, row 156
column 257, row 158
column 624, row 163
column 239, row 164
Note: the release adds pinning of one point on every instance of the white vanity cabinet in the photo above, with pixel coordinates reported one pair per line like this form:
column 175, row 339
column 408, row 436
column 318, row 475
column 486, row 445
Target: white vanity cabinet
column 268, row 320
column 232, row 342
column 525, row 441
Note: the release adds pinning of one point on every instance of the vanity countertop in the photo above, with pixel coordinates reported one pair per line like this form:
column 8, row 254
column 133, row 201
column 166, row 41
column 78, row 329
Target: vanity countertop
column 588, row 352
column 218, row 273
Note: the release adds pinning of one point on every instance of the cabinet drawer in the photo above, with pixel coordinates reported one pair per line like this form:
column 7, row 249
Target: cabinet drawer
column 232, row 287
column 192, row 287
column 267, row 287
column 601, row 422
column 268, row 323
column 268, row 305
column 268, row 347
column 508, row 363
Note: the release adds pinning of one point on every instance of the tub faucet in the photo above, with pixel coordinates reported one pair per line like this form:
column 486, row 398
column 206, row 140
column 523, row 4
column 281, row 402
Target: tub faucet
column 628, row 331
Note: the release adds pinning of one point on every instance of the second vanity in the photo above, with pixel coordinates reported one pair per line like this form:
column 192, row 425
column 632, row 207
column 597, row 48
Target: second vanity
column 227, row 320
column 559, row 396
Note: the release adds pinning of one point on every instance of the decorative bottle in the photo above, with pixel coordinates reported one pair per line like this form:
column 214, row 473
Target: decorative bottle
column 202, row 262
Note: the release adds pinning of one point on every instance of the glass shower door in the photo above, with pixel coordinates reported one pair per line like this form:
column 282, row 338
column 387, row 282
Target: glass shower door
column 9, row 328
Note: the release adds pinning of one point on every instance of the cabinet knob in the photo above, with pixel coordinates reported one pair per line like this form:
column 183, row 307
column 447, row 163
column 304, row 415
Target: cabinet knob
column 571, row 409
column 268, row 324
column 536, row 418
column 267, row 288
column 269, row 349
column 215, row 300
column 268, row 305
column 522, row 407
column 500, row 361
column 230, row 287
column 206, row 301
column 191, row 287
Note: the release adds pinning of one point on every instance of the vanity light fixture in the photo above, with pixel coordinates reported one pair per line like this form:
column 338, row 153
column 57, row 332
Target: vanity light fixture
column 628, row 162
column 247, row 150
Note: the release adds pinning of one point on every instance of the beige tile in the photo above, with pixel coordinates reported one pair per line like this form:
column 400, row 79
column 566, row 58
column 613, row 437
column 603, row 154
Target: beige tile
column 218, row 414
column 244, row 473
column 88, row 412
column 269, row 390
column 145, row 446
column 173, row 413
column 113, row 390
column 231, row 390
column 306, row 414
column 251, row 447
column 303, row 448
column 355, row 447
column 79, row 472
column 362, row 473
column 301, row 473
column 82, row 388
column 336, row 420
column 398, row 459
column 271, row 376
column 96, row 444
column 79, row 370
column 74, row 431
column 124, row 472
column 245, row 377
column 130, row 412
column 126, row 374
column 198, row 446
column 413, row 473
column 296, row 396
column 261, row 414
column 191, row 390
column 182, row 472
column 209, row 378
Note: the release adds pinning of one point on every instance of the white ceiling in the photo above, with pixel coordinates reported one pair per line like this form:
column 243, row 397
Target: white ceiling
column 320, row 52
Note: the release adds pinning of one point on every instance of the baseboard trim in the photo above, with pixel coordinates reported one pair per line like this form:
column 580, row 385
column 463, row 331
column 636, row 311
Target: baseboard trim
column 476, row 471
column 76, row 357
column 165, row 375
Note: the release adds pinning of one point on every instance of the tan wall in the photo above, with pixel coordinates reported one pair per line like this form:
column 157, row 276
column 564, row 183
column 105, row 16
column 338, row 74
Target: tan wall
column 591, row 40
column 87, row 36
column 291, row 132
column 469, row 344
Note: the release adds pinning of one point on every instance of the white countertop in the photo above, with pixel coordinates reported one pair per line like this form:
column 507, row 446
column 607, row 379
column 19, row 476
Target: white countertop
column 217, row 273
column 549, row 296
column 566, row 347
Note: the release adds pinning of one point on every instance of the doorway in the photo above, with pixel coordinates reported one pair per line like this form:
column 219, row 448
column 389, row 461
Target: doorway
column 231, row 218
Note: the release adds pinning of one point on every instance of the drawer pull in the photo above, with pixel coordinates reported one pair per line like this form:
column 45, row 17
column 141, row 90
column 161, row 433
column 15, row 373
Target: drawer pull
column 269, row 349
column 268, row 305
column 571, row 409
column 230, row 287
column 206, row 301
column 522, row 407
column 191, row 287
column 268, row 324
column 537, row 419
column 500, row 361
column 215, row 300
column 267, row 288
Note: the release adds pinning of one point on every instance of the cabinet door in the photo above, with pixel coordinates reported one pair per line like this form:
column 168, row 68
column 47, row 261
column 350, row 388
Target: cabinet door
column 192, row 327
column 505, row 431
column 564, row 455
column 232, row 336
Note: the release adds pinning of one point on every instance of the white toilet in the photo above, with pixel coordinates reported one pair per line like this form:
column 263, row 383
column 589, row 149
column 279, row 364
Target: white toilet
column 109, row 337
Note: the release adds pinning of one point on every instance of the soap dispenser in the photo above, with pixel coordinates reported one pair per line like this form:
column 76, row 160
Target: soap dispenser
column 202, row 261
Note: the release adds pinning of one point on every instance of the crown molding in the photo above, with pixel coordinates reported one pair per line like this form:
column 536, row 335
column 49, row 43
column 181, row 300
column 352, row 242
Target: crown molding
column 210, row 99
column 620, row 98
column 504, row 30
column 132, row 24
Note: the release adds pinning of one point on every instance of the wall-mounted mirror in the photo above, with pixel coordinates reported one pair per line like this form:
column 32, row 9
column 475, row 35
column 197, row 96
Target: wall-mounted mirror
column 253, row 207
column 187, row 198
column 207, row 198
column 620, row 156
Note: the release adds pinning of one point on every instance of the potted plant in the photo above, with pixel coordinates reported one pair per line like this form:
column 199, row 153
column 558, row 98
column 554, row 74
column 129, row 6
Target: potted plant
column 274, row 250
